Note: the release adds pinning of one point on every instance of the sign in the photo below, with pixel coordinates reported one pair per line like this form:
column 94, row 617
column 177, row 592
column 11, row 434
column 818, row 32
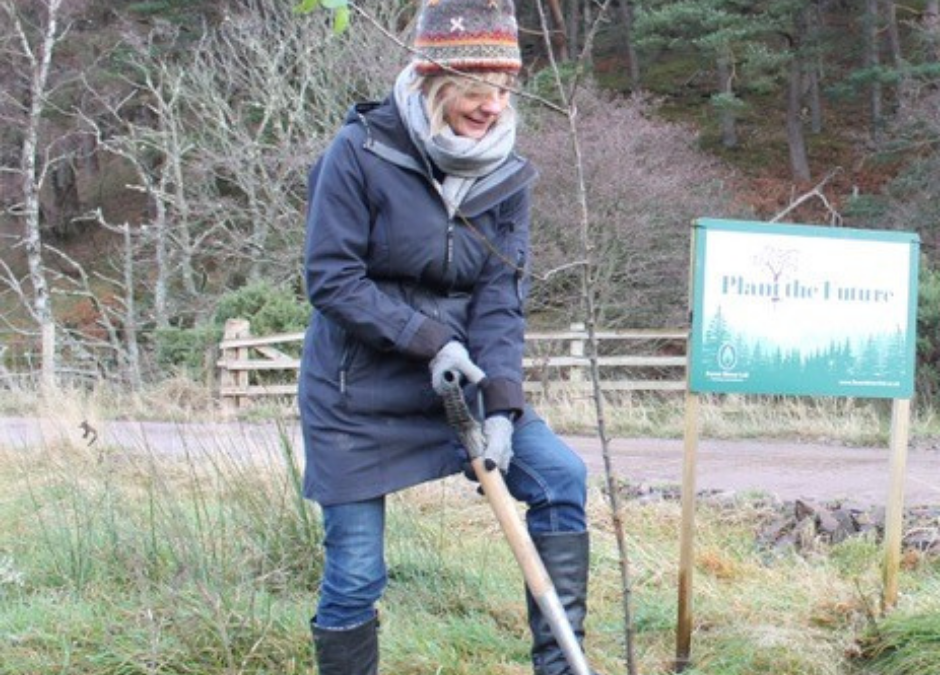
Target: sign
column 803, row 310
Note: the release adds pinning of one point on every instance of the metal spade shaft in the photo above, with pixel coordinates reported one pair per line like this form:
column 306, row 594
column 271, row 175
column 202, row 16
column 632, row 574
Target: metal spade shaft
column 523, row 548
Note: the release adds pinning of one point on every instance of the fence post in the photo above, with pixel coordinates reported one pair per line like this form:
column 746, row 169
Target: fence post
column 234, row 379
column 576, row 374
column 4, row 373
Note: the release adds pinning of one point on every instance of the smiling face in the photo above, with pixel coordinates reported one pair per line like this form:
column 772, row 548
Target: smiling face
column 470, row 107
column 473, row 112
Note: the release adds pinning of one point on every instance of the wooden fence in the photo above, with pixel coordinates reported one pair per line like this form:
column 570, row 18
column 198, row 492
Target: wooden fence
column 629, row 360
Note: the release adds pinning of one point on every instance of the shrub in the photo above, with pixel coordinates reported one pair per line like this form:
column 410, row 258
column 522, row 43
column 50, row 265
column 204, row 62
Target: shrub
column 928, row 334
column 270, row 309
column 645, row 183
column 185, row 349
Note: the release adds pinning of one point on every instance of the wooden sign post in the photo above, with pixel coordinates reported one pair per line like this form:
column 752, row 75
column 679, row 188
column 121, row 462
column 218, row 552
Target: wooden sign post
column 894, row 512
column 799, row 310
column 687, row 533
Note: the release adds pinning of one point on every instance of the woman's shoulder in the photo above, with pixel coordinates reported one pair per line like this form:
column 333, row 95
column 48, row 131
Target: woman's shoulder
column 370, row 121
column 375, row 117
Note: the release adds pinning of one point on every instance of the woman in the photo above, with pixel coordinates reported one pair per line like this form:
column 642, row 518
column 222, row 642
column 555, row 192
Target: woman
column 417, row 245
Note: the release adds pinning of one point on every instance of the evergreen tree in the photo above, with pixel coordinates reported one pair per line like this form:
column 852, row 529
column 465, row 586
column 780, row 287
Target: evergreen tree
column 761, row 47
column 717, row 333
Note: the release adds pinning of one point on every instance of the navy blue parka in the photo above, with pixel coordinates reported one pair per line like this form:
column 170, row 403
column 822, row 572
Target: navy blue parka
column 392, row 279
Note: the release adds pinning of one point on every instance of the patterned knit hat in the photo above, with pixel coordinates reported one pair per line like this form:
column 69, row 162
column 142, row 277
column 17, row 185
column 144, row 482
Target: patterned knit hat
column 468, row 36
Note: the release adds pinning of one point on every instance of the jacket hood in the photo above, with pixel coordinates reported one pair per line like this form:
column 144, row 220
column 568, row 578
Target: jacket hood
column 387, row 137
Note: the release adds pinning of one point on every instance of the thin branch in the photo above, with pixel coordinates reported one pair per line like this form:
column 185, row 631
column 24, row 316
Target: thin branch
column 591, row 312
column 545, row 276
column 835, row 218
column 8, row 278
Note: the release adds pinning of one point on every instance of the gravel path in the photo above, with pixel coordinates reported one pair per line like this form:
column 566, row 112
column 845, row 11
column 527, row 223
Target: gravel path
column 787, row 470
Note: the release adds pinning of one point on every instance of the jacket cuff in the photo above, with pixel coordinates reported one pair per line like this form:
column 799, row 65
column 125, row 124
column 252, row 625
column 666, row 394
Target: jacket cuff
column 502, row 395
column 428, row 340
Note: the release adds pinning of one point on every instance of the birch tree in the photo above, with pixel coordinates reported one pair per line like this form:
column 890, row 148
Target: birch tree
column 267, row 91
column 138, row 123
column 30, row 48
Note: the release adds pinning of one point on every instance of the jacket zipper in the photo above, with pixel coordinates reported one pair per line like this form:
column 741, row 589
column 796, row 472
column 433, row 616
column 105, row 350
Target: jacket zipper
column 349, row 350
column 448, row 249
column 520, row 275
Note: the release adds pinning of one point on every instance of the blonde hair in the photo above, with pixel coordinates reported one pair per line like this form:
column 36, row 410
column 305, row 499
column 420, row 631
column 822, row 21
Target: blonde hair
column 439, row 90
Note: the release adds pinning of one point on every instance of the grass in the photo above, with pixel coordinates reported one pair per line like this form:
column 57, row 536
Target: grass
column 843, row 421
column 834, row 420
column 122, row 561
column 905, row 644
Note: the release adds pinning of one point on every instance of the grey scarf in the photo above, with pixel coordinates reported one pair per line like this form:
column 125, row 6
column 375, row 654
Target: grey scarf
column 462, row 159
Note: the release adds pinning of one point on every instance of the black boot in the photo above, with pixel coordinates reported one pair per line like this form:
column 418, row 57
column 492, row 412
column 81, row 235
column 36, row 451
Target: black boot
column 566, row 556
column 354, row 651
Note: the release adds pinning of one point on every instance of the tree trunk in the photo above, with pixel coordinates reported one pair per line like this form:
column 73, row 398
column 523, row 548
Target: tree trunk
column 559, row 39
column 171, row 176
column 891, row 32
column 41, row 300
column 894, row 49
column 799, row 163
column 40, row 62
column 587, row 56
column 572, row 23
column 633, row 62
column 931, row 24
column 813, row 94
column 130, row 311
column 873, row 62
column 727, row 117
column 161, row 243
column 814, row 100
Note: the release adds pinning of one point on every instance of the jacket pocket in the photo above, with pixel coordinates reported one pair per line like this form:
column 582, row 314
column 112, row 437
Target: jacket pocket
column 385, row 383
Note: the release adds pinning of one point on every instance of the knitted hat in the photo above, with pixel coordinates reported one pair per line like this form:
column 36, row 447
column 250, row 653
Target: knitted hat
column 468, row 36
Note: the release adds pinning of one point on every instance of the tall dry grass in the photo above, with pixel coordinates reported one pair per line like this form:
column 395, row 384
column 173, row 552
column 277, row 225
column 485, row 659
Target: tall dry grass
column 858, row 422
column 117, row 560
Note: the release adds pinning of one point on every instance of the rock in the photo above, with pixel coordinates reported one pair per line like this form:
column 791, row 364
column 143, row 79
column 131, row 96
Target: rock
column 924, row 539
column 775, row 531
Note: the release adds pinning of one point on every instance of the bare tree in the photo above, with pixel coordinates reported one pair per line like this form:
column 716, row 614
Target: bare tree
column 140, row 127
column 645, row 182
column 30, row 50
column 221, row 142
column 931, row 28
column 627, row 8
column 258, row 100
column 109, row 343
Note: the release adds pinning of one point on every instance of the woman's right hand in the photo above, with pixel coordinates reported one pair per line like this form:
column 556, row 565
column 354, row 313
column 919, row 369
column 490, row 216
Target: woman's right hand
column 454, row 357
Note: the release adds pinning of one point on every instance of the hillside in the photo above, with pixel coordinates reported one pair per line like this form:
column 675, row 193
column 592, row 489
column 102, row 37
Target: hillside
column 119, row 67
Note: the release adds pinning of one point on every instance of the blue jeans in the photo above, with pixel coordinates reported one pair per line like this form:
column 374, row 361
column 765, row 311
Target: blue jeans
column 545, row 474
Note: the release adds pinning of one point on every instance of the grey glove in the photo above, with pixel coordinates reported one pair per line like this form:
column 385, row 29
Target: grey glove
column 497, row 431
column 454, row 357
